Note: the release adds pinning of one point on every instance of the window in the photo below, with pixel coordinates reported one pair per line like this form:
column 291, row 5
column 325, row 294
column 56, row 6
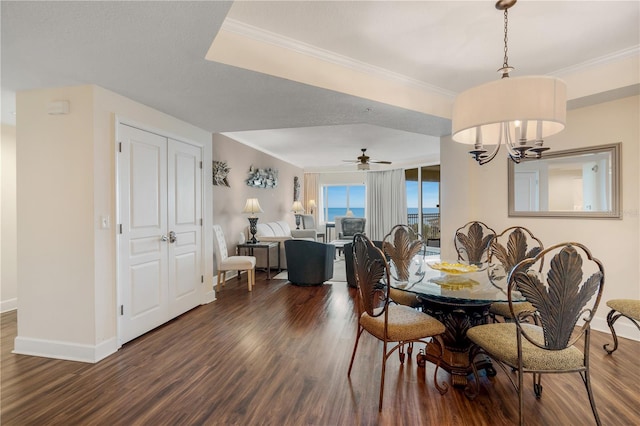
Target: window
column 423, row 189
column 337, row 200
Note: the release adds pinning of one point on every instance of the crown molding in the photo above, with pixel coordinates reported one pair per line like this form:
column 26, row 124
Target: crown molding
column 264, row 36
column 602, row 60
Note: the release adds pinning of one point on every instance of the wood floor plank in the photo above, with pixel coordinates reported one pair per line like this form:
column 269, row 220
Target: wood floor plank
column 279, row 356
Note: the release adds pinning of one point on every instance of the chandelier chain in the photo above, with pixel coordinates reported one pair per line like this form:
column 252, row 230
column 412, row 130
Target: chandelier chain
column 506, row 56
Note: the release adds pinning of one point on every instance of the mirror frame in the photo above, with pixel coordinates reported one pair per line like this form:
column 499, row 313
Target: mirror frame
column 615, row 151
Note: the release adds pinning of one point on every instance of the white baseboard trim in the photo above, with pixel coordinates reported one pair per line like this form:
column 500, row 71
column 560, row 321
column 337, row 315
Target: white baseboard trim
column 64, row 350
column 624, row 328
column 209, row 297
column 9, row 305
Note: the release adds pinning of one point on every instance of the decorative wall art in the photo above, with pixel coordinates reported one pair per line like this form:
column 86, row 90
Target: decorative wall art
column 262, row 178
column 296, row 188
column 220, row 173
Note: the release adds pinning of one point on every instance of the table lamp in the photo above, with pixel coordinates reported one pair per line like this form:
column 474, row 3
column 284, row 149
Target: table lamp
column 312, row 206
column 297, row 209
column 252, row 207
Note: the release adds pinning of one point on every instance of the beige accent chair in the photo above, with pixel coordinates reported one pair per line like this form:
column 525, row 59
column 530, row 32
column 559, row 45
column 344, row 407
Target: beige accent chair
column 628, row 308
column 392, row 324
column 225, row 262
column 561, row 296
column 309, row 222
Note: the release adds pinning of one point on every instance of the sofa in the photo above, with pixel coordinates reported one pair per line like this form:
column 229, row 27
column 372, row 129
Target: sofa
column 278, row 231
column 310, row 262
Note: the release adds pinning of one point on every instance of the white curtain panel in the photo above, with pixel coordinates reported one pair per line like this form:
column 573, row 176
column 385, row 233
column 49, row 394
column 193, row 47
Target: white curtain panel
column 311, row 193
column 386, row 202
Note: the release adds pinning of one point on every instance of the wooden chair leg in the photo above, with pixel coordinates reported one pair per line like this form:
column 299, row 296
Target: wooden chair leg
column 220, row 279
column 249, row 284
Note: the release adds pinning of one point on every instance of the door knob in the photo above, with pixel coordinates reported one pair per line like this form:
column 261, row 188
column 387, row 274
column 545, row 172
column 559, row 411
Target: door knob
column 172, row 237
column 164, row 238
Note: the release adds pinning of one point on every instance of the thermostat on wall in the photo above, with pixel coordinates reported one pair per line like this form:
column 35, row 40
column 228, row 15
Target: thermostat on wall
column 58, row 107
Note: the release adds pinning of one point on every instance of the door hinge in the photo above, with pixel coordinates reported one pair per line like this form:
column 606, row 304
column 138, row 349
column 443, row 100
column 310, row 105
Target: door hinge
column 201, row 164
column 119, row 146
column 120, row 226
column 201, row 278
column 200, row 221
column 121, row 309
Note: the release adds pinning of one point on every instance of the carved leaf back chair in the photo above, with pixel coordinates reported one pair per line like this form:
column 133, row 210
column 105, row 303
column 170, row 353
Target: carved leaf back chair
column 400, row 246
column 391, row 323
column 628, row 308
column 561, row 298
column 472, row 242
column 506, row 250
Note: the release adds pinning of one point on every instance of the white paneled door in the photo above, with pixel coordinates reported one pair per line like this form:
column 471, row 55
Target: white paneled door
column 159, row 240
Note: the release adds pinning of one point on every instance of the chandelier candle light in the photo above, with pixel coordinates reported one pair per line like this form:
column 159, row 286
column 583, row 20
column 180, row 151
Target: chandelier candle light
column 519, row 112
column 252, row 207
column 297, row 209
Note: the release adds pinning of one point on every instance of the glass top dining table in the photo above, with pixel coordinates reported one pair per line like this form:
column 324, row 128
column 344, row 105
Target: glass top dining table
column 459, row 301
column 466, row 287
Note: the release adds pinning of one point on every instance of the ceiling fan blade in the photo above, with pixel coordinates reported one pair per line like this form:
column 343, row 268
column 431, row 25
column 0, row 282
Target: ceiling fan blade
column 380, row 162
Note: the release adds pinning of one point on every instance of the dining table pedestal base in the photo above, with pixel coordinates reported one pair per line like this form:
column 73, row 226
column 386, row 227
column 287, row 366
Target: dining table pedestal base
column 458, row 316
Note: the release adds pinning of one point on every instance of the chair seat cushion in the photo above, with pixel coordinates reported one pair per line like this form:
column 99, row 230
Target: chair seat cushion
column 402, row 297
column 502, row 308
column 499, row 341
column 405, row 324
column 627, row 307
column 235, row 263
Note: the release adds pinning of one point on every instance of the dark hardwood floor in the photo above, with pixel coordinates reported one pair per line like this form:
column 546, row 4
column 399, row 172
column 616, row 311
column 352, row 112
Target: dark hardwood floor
column 279, row 356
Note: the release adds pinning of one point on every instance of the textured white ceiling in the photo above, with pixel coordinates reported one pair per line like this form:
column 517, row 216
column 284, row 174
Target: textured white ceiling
column 153, row 52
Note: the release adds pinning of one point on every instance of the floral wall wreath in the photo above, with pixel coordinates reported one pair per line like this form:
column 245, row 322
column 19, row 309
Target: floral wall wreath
column 220, row 173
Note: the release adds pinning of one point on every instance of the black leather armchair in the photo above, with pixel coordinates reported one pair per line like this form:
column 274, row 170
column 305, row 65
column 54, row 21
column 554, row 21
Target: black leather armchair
column 348, row 262
column 309, row 262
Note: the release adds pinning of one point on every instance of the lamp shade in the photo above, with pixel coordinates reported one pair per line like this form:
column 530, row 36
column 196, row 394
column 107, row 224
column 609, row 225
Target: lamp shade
column 252, row 206
column 297, row 207
column 534, row 107
column 312, row 204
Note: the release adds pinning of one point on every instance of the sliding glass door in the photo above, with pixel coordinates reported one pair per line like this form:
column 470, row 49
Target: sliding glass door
column 423, row 201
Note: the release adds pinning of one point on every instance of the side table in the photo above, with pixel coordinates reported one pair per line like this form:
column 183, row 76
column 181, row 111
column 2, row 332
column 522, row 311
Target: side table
column 328, row 227
column 248, row 249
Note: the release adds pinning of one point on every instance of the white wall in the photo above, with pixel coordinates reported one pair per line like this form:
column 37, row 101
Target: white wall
column 8, row 237
column 66, row 182
column 473, row 192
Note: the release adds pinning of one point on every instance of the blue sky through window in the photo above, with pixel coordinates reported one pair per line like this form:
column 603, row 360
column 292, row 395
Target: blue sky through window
column 337, row 196
column 430, row 191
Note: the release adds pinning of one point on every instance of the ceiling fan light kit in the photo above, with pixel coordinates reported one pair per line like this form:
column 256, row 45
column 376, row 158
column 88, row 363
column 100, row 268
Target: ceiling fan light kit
column 519, row 112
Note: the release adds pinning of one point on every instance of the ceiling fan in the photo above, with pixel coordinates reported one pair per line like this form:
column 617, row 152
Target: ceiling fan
column 364, row 161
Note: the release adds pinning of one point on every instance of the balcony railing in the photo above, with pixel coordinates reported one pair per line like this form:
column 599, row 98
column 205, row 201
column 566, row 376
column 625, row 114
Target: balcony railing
column 430, row 228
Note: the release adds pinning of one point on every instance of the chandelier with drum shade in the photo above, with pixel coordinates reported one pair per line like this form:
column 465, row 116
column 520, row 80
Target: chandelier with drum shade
column 518, row 112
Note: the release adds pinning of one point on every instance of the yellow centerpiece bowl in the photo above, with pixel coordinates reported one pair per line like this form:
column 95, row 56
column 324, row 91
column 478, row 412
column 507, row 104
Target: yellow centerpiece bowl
column 453, row 268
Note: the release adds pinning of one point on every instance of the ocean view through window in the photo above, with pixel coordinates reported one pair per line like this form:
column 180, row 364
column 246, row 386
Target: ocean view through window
column 339, row 199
